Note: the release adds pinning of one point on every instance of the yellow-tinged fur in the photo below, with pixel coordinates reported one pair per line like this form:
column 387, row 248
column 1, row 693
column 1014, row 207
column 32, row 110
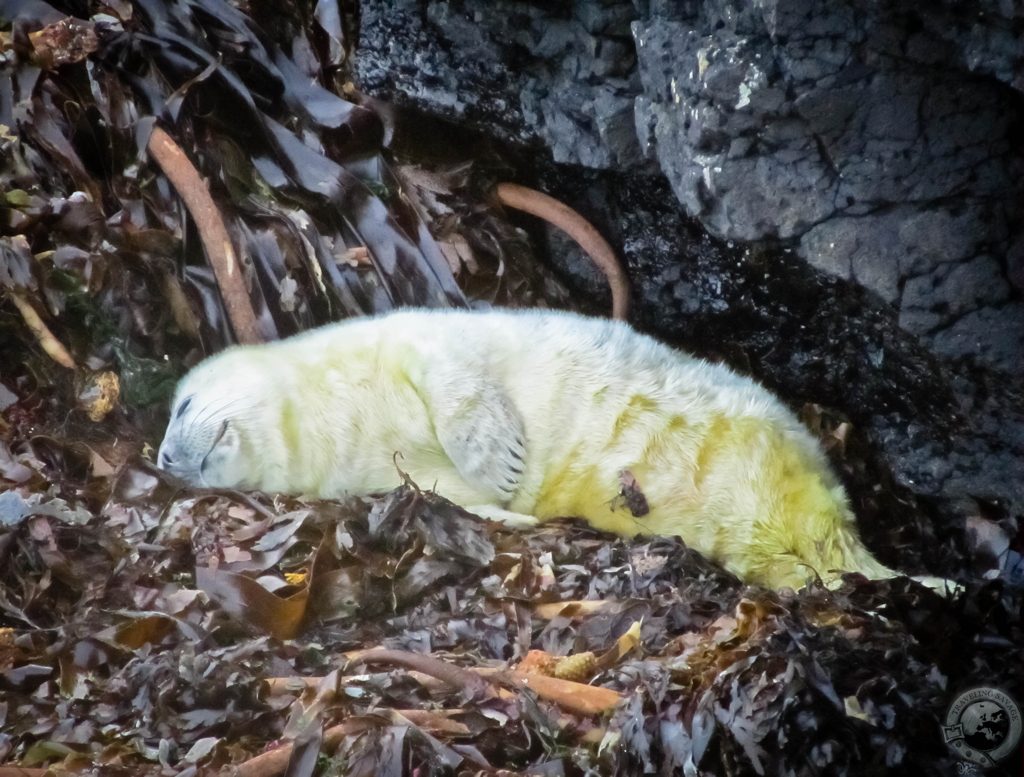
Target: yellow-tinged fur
column 520, row 414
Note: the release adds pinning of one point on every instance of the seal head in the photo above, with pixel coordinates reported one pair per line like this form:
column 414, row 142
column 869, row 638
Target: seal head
column 204, row 444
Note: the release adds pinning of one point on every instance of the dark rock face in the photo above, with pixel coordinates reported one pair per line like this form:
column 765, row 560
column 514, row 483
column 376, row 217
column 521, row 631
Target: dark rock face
column 866, row 134
column 875, row 142
column 875, row 139
column 534, row 74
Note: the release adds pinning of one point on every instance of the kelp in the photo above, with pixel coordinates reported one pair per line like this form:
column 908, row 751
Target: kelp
column 295, row 169
column 131, row 643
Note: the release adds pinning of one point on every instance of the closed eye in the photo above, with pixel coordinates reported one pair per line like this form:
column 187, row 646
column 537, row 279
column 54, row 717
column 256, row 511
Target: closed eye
column 182, row 408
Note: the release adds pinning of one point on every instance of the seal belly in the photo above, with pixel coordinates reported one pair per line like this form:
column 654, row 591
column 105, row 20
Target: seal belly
column 740, row 489
column 680, row 464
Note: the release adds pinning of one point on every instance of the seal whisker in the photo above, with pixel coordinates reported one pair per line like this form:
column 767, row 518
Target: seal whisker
column 215, row 410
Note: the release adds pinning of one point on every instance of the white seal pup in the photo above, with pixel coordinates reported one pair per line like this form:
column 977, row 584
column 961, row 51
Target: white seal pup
column 524, row 416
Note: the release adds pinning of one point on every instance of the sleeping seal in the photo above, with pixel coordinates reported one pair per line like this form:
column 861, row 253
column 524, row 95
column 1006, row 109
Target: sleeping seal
column 524, row 416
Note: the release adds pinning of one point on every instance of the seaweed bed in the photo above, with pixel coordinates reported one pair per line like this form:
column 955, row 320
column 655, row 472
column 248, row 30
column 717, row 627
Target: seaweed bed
column 149, row 629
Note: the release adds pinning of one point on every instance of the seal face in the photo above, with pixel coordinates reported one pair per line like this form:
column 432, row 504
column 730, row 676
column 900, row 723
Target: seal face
column 983, row 725
column 522, row 416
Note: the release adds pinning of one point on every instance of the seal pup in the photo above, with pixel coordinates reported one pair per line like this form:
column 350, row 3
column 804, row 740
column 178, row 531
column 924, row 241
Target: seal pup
column 523, row 416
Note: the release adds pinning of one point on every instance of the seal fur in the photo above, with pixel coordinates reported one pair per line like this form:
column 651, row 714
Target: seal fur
column 525, row 416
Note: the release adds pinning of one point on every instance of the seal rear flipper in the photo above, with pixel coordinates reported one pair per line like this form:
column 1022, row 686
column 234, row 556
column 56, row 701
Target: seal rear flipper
column 483, row 434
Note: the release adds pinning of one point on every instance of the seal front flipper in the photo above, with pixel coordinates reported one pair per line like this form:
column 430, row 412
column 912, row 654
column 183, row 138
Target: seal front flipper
column 510, row 519
column 483, row 434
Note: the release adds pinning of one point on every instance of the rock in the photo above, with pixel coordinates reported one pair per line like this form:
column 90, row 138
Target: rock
column 814, row 122
column 564, row 81
column 875, row 139
column 992, row 335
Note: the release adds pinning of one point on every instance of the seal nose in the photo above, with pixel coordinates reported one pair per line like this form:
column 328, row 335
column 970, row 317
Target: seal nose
column 163, row 459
